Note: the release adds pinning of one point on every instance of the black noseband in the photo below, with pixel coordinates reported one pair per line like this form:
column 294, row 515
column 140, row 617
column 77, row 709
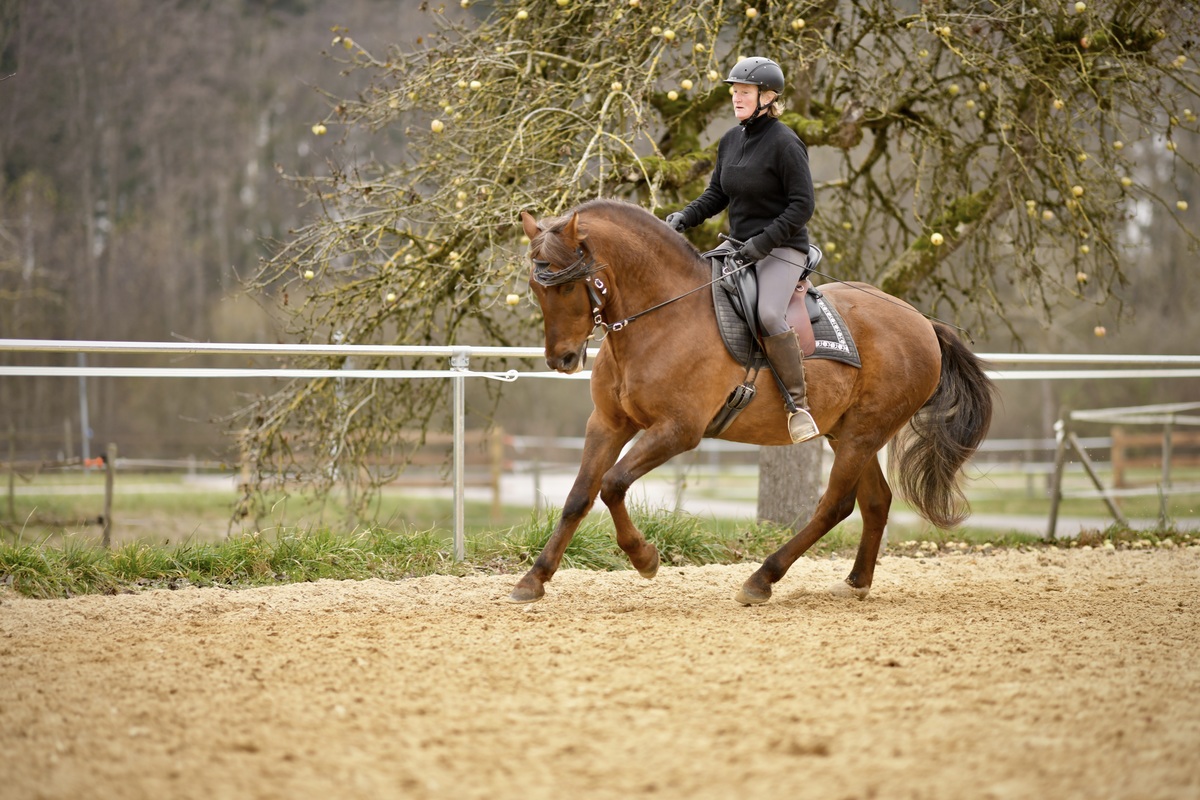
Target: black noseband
column 583, row 266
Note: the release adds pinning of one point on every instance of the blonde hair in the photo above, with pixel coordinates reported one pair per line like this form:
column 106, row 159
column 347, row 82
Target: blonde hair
column 775, row 108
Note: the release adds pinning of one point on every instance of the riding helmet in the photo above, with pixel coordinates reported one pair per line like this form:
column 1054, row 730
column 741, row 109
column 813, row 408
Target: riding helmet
column 761, row 72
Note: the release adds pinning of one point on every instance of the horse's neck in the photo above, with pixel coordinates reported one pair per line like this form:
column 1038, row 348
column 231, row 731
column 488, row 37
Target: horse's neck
column 642, row 281
column 646, row 290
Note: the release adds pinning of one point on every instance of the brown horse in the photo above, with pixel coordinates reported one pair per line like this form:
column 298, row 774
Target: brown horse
column 666, row 373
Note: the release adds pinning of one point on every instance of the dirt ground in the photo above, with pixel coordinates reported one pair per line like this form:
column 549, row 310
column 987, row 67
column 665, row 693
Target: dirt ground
column 1060, row 673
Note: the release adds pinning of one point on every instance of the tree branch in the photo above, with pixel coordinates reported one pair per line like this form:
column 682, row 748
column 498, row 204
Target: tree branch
column 963, row 219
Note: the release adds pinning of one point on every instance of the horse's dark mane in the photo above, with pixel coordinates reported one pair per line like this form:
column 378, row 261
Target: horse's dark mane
column 636, row 221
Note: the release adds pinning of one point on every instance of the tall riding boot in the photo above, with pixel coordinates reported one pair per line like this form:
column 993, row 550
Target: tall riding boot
column 783, row 351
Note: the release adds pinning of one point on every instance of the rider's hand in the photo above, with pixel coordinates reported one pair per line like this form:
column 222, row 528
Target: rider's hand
column 750, row 252
column 675, row 220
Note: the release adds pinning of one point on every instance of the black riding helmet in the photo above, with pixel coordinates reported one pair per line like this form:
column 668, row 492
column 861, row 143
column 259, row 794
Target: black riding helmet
column 757, row 71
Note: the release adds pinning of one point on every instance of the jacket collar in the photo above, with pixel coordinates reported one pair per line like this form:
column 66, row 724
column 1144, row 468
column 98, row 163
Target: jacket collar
column 757, row 124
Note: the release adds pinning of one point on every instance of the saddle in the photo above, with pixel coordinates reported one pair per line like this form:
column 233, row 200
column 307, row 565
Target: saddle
column 820, row 329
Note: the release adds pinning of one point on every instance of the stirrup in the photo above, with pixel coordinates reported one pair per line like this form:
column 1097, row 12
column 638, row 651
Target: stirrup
column 802, row 426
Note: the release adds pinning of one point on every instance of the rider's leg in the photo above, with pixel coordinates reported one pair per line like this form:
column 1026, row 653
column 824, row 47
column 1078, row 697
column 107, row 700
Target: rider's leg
column 778, row 274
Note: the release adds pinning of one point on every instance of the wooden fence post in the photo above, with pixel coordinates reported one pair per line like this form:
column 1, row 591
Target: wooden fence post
column 1117, row 456
column 1167, row 455
column 245, row 468
column 496, row 465
column 110, row 469
column 1109, row 499
column 12, row 471
column 1060, row 460
column 1167, row 451
column 535, row 470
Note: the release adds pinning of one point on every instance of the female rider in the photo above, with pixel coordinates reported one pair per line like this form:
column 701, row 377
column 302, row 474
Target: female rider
column 762, row 177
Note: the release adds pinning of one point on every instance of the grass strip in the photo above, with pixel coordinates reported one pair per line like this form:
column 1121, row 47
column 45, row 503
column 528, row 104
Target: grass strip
column 292, row 555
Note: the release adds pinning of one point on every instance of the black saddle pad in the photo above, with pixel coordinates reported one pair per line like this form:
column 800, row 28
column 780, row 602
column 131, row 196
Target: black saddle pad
column 833, row 338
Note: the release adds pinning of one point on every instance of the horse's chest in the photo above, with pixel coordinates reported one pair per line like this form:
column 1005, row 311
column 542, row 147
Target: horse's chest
column 648, row 389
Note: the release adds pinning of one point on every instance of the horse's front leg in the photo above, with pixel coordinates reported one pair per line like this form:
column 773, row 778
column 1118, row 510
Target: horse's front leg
column 657, row 445
column 602, row 444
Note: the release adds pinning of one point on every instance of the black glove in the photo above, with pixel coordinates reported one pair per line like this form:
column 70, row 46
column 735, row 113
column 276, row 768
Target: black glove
column 749, row 252
column 676, row 221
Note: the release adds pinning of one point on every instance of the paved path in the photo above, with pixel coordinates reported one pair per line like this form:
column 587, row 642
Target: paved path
column 660, row 493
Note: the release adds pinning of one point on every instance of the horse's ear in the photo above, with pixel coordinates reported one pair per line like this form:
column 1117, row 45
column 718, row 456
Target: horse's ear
column 530, row 225
column 570, row 231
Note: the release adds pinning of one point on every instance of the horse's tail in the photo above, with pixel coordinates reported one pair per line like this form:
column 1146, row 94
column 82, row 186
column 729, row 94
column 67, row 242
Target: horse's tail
column 926, row 460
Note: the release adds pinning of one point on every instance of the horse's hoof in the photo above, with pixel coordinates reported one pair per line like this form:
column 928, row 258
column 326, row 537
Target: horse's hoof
column 751, row 595
column 844, row 589
column 523, row 593
column 648, row 572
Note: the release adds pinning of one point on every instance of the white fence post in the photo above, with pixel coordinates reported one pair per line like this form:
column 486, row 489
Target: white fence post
column 460, row 361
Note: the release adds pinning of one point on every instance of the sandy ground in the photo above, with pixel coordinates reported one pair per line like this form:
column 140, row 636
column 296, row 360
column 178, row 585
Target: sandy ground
column 1060, row 673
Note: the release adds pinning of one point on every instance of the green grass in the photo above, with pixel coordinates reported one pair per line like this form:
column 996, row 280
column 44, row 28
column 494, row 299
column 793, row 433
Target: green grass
column 166, row 512
column 76, row 566
column 171, row 536
column 38, row 570
column 289, row 555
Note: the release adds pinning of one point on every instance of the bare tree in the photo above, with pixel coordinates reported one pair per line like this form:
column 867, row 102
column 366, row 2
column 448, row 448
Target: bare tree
column 138, row 143
column 966, row 153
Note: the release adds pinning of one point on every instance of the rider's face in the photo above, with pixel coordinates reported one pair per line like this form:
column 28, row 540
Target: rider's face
column 746, row 100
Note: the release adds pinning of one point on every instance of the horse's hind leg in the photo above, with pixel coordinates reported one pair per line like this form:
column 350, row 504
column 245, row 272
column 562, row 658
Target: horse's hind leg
column 874, row 500
column 600, row 450
column 834, row 506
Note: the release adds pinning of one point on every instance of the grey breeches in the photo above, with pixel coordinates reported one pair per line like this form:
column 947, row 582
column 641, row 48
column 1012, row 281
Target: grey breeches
column 778, row 274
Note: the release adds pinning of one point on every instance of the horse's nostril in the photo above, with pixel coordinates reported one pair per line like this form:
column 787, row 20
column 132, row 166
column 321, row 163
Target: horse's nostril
column 563, row 363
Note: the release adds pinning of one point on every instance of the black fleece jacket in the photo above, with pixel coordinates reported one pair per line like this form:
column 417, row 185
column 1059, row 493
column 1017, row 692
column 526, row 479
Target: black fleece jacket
column 762, row 177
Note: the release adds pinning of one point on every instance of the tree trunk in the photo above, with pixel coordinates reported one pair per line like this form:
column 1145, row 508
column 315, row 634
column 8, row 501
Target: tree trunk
column 789, row 483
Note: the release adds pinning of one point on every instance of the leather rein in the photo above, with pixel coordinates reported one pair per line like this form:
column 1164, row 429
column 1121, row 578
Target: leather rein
column 585, row 268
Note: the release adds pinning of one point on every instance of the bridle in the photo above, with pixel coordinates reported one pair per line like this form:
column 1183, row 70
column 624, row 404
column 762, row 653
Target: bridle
column 584, row 266
column 584, row 269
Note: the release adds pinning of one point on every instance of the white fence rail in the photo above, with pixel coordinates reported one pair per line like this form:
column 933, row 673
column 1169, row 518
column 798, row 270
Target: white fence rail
column 1080, row 367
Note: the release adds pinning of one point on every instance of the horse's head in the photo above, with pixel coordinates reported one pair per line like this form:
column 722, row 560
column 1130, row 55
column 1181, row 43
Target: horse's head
column 560, row 271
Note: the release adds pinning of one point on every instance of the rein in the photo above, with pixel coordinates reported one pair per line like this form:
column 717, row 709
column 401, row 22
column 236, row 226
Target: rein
column 585, row 267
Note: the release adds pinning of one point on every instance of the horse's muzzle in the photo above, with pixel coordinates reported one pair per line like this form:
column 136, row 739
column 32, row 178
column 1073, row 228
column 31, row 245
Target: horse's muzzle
column 569, row 363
